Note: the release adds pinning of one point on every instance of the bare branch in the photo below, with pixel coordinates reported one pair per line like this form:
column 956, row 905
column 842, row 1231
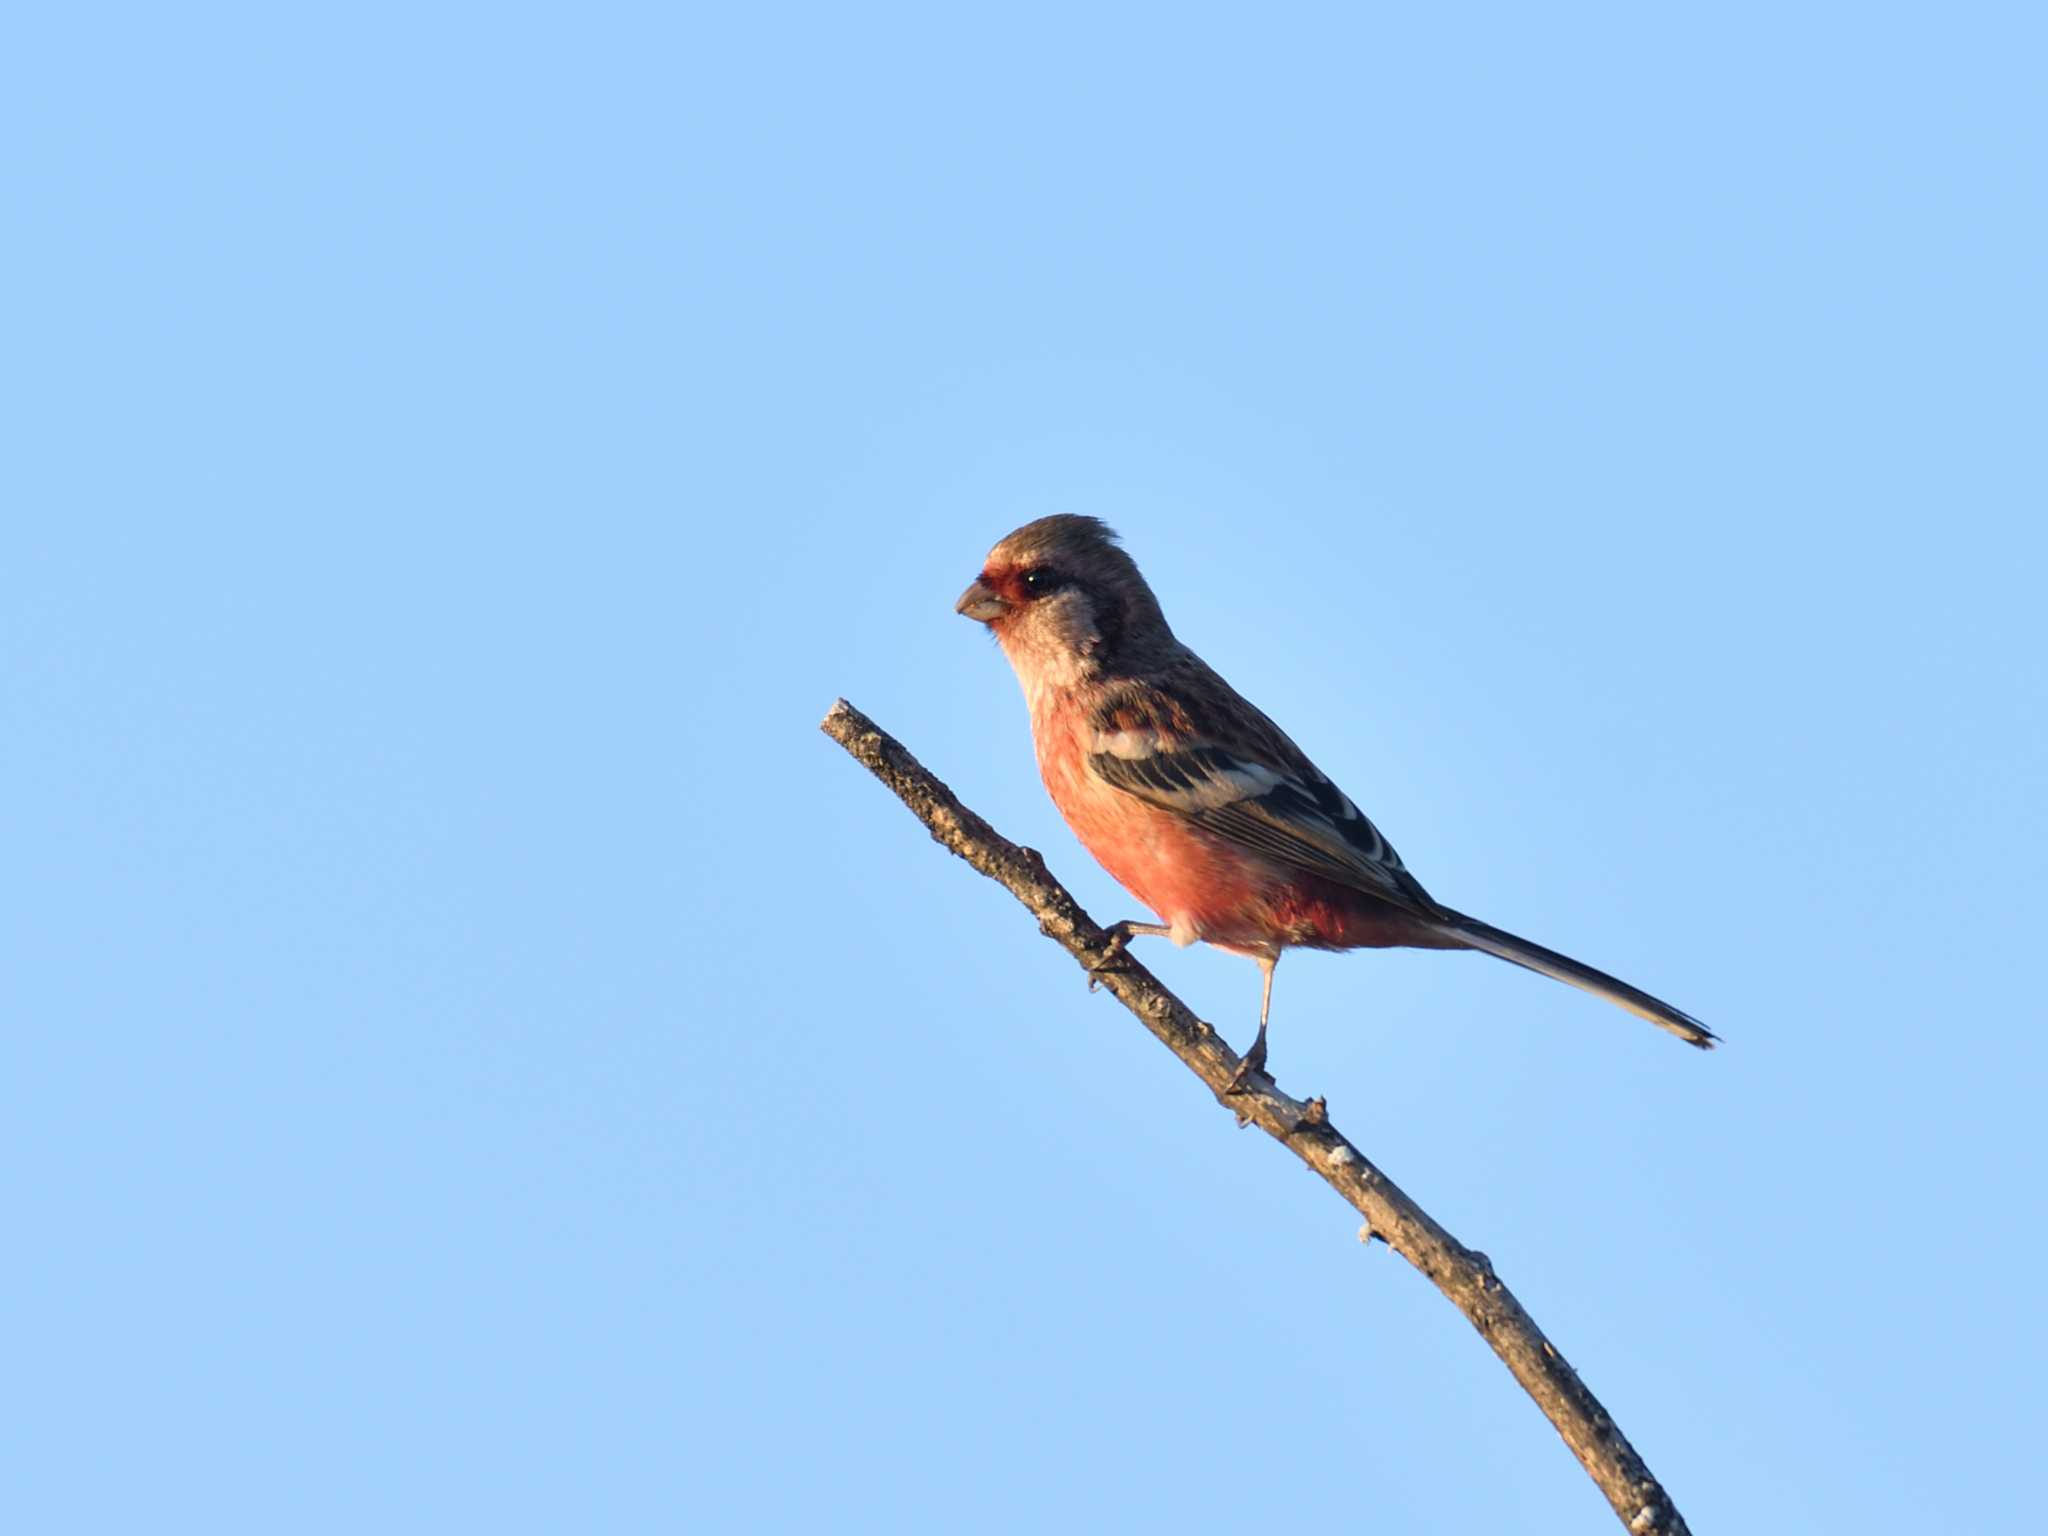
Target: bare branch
column 1465, row 1277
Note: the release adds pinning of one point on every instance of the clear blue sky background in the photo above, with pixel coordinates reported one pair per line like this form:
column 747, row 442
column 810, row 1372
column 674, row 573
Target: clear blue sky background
column 477, row 1059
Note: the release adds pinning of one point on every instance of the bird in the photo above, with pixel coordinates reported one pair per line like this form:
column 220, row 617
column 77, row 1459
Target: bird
column 1197, row 803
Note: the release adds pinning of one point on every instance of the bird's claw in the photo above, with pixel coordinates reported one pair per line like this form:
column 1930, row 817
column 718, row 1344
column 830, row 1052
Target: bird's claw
column 1253, row 1060
column 1112, row 952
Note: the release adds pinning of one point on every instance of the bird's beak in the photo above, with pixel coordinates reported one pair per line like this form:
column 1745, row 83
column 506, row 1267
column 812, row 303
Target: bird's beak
column 978, row 602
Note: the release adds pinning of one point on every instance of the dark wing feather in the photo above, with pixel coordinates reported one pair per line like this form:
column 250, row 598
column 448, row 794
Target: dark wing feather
column 1260, row 791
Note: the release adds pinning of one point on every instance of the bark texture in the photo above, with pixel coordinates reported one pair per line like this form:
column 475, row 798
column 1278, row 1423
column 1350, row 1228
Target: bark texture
column 1464, row 1276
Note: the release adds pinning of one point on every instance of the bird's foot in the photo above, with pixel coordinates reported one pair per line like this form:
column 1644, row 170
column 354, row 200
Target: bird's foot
column 1253, row 1060
column 1112, row 958
column 1116, row 936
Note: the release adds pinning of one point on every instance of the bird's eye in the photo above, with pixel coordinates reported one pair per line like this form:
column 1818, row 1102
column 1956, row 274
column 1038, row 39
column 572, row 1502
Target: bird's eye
column 1041, row 580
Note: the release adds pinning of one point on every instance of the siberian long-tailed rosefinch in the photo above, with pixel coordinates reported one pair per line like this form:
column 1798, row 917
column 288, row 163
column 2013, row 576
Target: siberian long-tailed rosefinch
column 1197, row 803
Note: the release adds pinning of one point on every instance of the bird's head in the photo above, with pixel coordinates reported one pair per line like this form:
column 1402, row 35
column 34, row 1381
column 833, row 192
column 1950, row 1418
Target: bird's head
column 1066, row 602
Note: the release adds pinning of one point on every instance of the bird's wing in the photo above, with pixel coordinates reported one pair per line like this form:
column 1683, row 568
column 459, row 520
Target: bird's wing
column 1216, row 760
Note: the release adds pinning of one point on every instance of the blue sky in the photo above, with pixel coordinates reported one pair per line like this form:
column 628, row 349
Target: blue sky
column 476, row 1057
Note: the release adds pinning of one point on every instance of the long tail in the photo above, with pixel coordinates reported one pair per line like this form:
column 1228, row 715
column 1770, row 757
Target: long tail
column 1548, row 962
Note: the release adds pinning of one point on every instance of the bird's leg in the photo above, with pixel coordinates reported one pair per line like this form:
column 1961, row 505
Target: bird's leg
column 1254, row 1060
column 1121, row 934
